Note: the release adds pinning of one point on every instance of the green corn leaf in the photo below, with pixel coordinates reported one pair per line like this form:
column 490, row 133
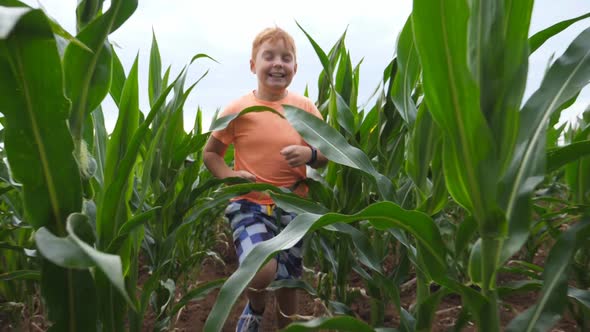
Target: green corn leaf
column 113, row 193
column 339, row 323
column 425, row 137
column 74, row 252
column 118, row 79
column 292, row 283
column 382, row 215
column 297, row 204
column 582, row 296
column 578, row 179
column 539, row 38
column 566, row 77
column 117, row 189
column 88, row 75
column 475, row 264
column 360, row 240
column 110, row 265
column 109, row 216
column 129, row 226
column 221, row 123
column 137, row 220
column 520, row 286
column 363, row 246
column 553, row 298
column 155, row 71
column 335, row 147
column 62, row 251
column 196, row 294
column 100, row 144
column 343, row 113
column 37, row 140
column 344, row 79
column 320, row 53
column 561, row 156
column 202, row 56
column 21, row 275
column 149, row 171
column 75, row 310
column 426, row 310
column 467, row 229
column 452, row 96
column 407, row 75
column 498, row 49
column 86, row 11
column 63, row 33
column 439, row 196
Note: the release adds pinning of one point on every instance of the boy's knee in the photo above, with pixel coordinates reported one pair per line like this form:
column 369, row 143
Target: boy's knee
column 264, row 276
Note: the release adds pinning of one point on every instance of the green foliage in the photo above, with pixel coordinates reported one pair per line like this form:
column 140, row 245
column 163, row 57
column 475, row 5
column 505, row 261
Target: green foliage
column 442, row 170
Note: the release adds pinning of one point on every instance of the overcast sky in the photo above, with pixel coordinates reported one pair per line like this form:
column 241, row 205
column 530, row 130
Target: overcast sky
column 224, row 30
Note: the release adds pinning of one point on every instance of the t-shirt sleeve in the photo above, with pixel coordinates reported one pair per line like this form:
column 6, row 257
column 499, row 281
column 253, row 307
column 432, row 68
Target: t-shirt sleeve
column 311, row 108
column 226, row 135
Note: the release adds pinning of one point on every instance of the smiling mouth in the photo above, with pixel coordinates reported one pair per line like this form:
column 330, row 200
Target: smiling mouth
column 278, row 75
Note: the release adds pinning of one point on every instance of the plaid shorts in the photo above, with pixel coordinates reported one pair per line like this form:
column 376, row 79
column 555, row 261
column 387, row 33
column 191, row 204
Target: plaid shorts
column 253, row 223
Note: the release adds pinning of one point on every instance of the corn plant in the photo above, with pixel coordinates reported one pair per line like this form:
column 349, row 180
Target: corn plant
column 179, row 235
column 473, row 59
column 19, row 270
column 449, row 169
column 49, row 157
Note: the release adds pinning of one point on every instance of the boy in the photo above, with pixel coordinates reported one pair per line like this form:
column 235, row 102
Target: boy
column 267, row 150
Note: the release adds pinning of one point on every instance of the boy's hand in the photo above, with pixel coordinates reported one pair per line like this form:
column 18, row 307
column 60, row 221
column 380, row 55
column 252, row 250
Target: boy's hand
column 245, row 175
column 296, row 155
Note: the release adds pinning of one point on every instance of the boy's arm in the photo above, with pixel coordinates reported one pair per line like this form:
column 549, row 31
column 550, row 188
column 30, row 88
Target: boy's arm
column 213, row 159
column 297, row 155
column 320, row 162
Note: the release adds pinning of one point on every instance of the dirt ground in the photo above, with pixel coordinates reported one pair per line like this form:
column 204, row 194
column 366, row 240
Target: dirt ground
column 193, row 316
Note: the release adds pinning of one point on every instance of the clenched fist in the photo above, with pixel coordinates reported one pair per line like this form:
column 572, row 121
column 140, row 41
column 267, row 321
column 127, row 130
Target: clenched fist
column 296, row 155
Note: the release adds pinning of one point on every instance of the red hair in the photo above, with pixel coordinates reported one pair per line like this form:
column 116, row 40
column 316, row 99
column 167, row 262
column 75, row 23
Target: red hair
column 272, row 35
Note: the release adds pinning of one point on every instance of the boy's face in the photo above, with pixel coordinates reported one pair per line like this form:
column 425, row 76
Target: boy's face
column 274, row 67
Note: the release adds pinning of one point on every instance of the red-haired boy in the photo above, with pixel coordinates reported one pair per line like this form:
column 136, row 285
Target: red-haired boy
column 267, row 150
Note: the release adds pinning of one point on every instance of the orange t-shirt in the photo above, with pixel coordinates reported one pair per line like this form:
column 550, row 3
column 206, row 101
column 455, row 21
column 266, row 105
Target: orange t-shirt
column 258, row 138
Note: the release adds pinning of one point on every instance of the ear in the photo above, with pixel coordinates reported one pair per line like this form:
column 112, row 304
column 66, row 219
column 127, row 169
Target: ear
column 252, row 66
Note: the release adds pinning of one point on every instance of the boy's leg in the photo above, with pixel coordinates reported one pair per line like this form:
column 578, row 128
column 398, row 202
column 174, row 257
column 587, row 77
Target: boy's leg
column 251, row 224
column 287, row 300
column 290, row 266
column 256, row 292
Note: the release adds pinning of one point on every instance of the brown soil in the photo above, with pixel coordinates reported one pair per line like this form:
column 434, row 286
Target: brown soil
column 193, row 316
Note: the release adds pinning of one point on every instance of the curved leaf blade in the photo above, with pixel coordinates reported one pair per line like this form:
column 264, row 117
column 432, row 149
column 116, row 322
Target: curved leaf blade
column 335, row 147
column 539, row 38
column 37, row 140
column 382, row 215
column 566, row 77
column 407, row 75
column 452, row 96
column 339, row 323
column 553, row 299
column 564, row 155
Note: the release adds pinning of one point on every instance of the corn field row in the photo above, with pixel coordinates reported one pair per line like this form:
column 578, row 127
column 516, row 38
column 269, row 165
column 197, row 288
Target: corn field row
column 450, row 171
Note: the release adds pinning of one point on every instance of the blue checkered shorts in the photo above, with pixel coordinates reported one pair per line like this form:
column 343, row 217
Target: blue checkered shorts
column 253, row 223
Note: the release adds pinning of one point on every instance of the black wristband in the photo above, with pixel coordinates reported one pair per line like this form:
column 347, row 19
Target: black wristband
column 314, row 156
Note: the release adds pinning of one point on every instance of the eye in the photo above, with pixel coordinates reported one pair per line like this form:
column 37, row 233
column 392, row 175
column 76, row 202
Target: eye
column 287, row 58
column 268, row 56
